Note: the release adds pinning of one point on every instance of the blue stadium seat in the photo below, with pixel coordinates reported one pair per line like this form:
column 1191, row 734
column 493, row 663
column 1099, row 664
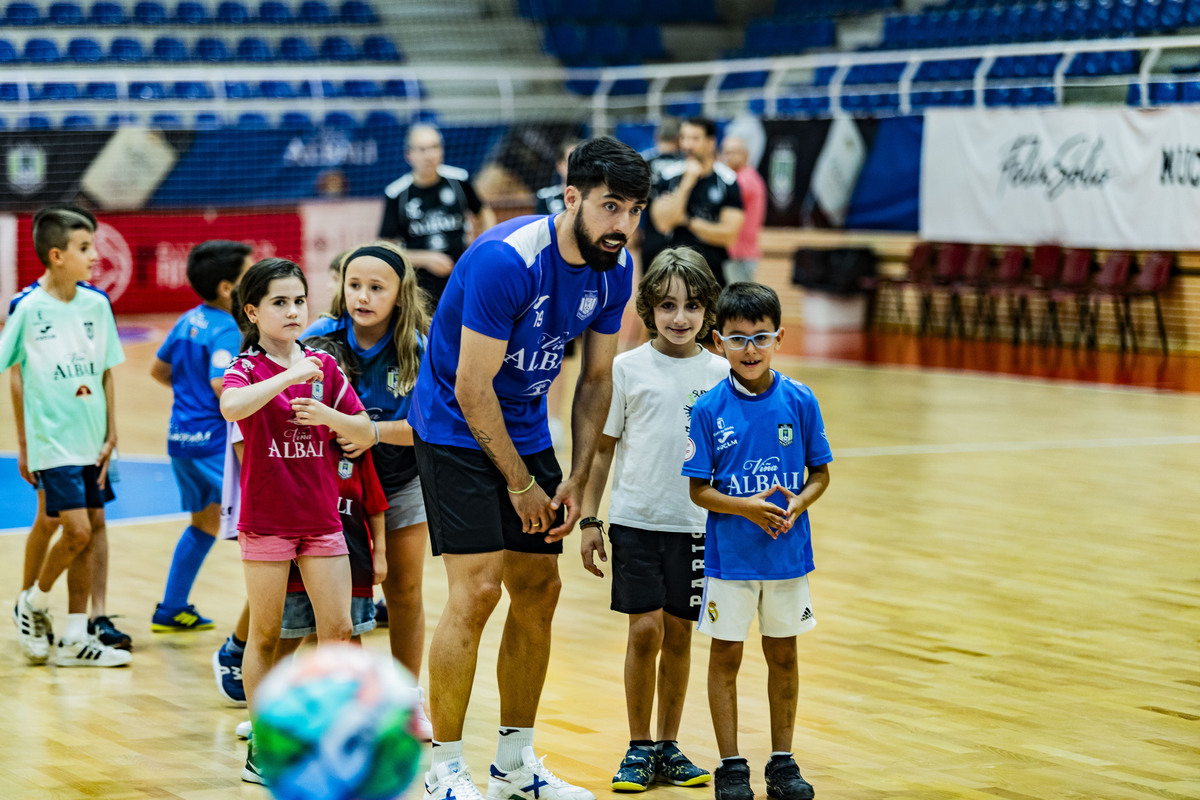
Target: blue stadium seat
column 57, row 91
column 252, row 48
column 357, row 12
column 232, row 12
column 149, row 12
column 192, row 90
column 273, row 12
column 609, row 43
column 191, row 12
column 293, row 48
column 207, row 121
column 296, row 120
column 237, row 90
column 582, row 87
column 169, row 49
column 338, row 48
column 340, row 119
column 382, row 119
column 1189, row 92
column 380, row 48
column 361, row 88
column 253, row 121
column 166, row 122
column 208, row 48
column 1164, row 92
column 276, row 89
column 120, row 119
column 78, row 122
column 8, row 53
column 100, row 90
column 146, row 90
column 65, row 13
column 84, row 51
column 645, row 42
column 685, row 108
column 125, row 50
column 744, row 80
column 400, row 88
column 1172, row 14
column 33, row 122
column 41, row 51
column 22, row 14
column 327, row 89
column 567, row 42
column 315, row 12
column 105, row 12
column 10, row 93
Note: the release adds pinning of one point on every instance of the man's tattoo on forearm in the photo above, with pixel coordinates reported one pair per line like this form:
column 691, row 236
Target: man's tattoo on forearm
column 484, row 440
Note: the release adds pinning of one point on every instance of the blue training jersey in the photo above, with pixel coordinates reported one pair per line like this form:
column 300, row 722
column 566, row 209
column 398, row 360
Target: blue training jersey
column 513, row 284
column 378, row 386
column 745, row 444
column 202, row 344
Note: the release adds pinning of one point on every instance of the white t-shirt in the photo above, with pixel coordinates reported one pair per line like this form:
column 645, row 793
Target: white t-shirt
column 650, row 415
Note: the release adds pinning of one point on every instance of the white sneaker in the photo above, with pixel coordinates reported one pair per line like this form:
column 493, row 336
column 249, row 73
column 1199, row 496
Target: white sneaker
column 89, row 652
column 34, row 630
column 421, row 724
column 532, row 781
column 244, row 729
column 442, row 784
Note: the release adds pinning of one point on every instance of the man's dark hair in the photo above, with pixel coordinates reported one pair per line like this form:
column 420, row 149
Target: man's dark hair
column 710, row 127
column 214, row 261
column 53, row 226
column 749, row 302
column 606, row 162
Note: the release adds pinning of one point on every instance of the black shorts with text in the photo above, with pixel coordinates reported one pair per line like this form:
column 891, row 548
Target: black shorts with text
column 657, row 569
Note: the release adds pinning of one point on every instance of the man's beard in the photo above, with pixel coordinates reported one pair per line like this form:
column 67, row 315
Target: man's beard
column 593, row 254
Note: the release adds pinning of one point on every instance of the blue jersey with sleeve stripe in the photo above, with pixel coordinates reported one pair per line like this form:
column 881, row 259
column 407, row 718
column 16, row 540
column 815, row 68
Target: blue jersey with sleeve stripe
column 204, row 341
column 378, row 386
column 745, row 444
column 512, row 284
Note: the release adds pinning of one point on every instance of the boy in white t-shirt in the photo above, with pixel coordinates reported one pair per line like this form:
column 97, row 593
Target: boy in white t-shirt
column 656, row 533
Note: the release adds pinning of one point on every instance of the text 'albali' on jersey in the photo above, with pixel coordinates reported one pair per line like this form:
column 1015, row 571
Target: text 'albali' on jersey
column 513, row 284
column 430, row 218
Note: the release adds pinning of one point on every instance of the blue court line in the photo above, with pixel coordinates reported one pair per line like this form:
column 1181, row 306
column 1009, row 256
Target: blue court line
column 145, row 488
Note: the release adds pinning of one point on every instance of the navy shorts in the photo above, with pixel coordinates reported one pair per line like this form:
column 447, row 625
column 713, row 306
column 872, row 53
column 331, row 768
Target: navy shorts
column 73, row 487
column 299, row 620
column 657, row 569
column 467, row 500
column 199, row 480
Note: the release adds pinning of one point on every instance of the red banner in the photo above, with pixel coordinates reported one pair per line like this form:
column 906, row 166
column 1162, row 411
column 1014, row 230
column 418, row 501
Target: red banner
column 143, row 256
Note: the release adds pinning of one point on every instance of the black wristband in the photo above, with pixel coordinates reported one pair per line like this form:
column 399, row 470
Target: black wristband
column 592, row 522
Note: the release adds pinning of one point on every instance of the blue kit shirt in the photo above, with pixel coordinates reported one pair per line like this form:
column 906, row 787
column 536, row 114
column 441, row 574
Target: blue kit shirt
column 202, row 344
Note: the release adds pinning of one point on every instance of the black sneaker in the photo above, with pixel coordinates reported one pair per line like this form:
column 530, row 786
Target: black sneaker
column 784, row 781
column 732, row 781
column 108, row 635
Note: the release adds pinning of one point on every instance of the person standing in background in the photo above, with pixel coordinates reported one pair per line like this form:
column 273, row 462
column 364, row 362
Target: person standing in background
column 745, row 253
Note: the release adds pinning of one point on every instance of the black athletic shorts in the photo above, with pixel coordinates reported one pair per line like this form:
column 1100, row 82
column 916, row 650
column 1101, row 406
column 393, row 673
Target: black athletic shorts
column 657, row 569
column 467, row 500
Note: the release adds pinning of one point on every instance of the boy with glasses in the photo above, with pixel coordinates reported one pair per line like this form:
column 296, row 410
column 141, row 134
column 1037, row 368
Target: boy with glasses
column 757, row 458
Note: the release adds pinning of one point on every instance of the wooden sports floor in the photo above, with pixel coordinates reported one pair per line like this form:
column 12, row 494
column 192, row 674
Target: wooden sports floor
column 1007, row 585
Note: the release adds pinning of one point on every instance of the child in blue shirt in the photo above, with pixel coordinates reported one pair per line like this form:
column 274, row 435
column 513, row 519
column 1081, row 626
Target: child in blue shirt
column 192, row 362
column 757, row 458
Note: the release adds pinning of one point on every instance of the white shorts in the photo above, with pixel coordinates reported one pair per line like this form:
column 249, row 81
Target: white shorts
column 405, row 507
column 784, row 608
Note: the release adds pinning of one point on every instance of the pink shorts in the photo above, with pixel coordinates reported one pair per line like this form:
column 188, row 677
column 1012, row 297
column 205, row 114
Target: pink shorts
column 277, row 547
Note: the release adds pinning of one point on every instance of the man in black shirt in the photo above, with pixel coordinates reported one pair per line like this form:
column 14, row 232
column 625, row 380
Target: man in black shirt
column 431, row 209
column 550, row 199
column 665, row 153
column 698, row 203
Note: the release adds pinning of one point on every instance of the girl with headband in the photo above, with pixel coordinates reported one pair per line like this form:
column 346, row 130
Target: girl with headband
column 380, row 312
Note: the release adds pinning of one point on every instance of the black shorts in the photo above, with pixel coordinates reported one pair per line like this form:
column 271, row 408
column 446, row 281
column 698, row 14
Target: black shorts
column 657, row 569
column 468, row 503
column 74, row 487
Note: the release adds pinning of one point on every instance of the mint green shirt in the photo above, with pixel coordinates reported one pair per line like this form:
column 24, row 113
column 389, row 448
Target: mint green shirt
column 64, row 350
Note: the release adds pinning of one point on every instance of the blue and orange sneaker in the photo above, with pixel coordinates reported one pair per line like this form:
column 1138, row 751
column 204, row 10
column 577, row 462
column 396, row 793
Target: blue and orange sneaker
column 636, row 771
column 673, row 767
column 171, row 620
column 227, row 669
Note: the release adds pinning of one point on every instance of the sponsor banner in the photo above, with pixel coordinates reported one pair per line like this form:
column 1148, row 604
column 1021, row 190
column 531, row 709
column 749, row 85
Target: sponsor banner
column 143, row 257
column 331, row 228
column 40, row 167
column 1095, row 177
column 811, row 167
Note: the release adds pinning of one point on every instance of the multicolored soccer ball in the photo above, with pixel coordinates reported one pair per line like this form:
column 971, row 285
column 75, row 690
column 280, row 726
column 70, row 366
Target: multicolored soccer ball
column 336, row 723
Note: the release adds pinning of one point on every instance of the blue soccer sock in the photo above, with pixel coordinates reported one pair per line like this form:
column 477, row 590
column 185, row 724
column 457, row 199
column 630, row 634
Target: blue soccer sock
column 193, row 546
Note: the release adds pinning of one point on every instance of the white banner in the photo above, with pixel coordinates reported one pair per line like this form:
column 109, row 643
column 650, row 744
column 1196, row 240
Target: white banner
column 1117, row 178
column 8, row 261
column 330, row 228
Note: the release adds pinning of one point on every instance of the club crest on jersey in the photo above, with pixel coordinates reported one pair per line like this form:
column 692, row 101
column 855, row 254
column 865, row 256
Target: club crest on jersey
column 393, row 381
column 712, row 611
column 587, row 306
column 89, row 329
column 318, row 391
column 785, row 434
column 345, row 468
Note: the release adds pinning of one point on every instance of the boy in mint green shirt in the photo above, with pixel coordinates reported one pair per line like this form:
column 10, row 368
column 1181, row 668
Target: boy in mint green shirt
column 64, row 337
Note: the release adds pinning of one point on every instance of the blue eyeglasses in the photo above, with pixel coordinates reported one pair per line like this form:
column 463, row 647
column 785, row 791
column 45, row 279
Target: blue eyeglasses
column 761, row 340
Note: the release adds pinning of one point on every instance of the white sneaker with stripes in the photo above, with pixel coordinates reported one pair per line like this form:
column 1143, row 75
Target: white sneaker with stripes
column 34, row 630
column 89, row 652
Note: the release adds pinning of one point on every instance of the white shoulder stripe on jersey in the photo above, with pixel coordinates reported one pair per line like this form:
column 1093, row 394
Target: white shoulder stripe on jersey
column 397, row 186
column 453, row 173
column 725, row 173
column 530, row 240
